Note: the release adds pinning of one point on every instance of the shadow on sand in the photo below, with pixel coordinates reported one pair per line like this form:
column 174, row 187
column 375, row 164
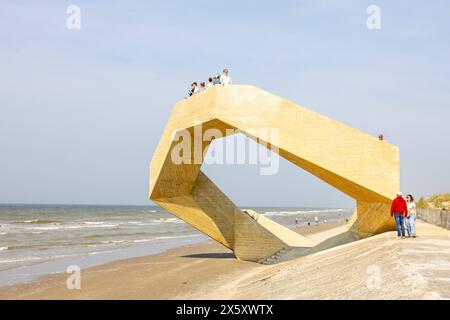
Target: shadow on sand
column 212, row 255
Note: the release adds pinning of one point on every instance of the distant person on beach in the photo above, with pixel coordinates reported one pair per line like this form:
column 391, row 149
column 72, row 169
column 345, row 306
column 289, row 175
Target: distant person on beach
column 411, row 217
column 224, row 78
column 210, row 83
column 296, row 221
column 399, row 209
column 202, row 86
column 381, row 137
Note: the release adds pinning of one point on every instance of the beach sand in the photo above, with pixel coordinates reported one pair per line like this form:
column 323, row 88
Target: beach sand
column 380, row 267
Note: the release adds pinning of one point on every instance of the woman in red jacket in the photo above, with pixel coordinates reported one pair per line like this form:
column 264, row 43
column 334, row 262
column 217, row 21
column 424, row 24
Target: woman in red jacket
column 399, row 209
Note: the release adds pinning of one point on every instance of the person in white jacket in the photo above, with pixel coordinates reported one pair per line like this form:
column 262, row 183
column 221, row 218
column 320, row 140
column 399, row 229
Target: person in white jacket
column 224, row 78
column 411, row 217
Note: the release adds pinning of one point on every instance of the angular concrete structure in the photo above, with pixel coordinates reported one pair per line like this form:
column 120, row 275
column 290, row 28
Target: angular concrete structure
column 353, row 162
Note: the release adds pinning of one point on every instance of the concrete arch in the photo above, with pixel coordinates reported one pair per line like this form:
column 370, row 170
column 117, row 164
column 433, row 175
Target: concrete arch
column 356, row 163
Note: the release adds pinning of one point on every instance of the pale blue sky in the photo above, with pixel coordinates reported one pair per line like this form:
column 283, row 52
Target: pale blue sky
column 82, row 111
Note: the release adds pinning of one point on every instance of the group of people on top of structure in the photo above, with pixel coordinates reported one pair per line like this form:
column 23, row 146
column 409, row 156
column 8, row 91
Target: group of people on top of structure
column 218, row 79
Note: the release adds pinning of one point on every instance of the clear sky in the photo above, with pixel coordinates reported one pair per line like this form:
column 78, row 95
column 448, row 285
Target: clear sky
column 83, row 110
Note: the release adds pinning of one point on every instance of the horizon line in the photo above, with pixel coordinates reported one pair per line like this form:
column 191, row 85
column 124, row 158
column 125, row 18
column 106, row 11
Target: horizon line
column 151, row 205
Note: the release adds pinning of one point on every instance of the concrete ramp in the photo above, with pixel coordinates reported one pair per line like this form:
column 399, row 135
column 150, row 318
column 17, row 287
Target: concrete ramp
column 288, row 236
column 297, row 245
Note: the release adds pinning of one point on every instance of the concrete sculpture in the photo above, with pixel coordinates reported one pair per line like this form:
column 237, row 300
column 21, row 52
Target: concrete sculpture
column 353, row 162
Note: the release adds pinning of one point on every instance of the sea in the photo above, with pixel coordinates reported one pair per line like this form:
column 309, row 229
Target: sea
column 38, row 240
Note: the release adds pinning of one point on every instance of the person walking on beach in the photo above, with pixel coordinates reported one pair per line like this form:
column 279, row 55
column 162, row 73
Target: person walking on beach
column 224, row 78
column 411, row 217
column 202, row 86
column 399, row 209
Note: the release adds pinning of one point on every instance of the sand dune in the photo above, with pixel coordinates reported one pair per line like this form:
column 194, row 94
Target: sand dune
column 408, row 269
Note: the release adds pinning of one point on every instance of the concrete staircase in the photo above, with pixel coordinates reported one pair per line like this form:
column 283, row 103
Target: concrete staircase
column 281, row 255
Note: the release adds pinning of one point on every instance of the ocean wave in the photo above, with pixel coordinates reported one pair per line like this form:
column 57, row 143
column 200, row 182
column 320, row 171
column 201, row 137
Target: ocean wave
column 143, row 224
column 38, row 221
column 129, row 241
column 142, row 240
column 4, row 248
column 24, row 259
column 91, row 226
column 176, row 220
column 118, row 234
column 115, row 241
column 177, row 237
column 126, row 241
column 297, row 212
column 40, row 226
column 155, row 221
column 36, row 258
column 44, row 228
column 71, row 227
column 93, row 253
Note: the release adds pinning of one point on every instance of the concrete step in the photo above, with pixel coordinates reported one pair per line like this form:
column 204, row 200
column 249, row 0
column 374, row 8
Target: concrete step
column 277, row 256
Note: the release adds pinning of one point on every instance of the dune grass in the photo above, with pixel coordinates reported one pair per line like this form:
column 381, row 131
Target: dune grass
column 436, row 201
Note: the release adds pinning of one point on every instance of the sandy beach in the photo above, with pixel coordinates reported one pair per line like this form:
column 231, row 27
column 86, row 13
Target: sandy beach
column 406, row 269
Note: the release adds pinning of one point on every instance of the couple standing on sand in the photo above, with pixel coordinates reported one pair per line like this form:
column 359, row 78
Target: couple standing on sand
column 404, row 211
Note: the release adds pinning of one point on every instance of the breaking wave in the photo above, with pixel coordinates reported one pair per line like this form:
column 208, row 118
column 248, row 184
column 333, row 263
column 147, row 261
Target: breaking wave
column 299, row 212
